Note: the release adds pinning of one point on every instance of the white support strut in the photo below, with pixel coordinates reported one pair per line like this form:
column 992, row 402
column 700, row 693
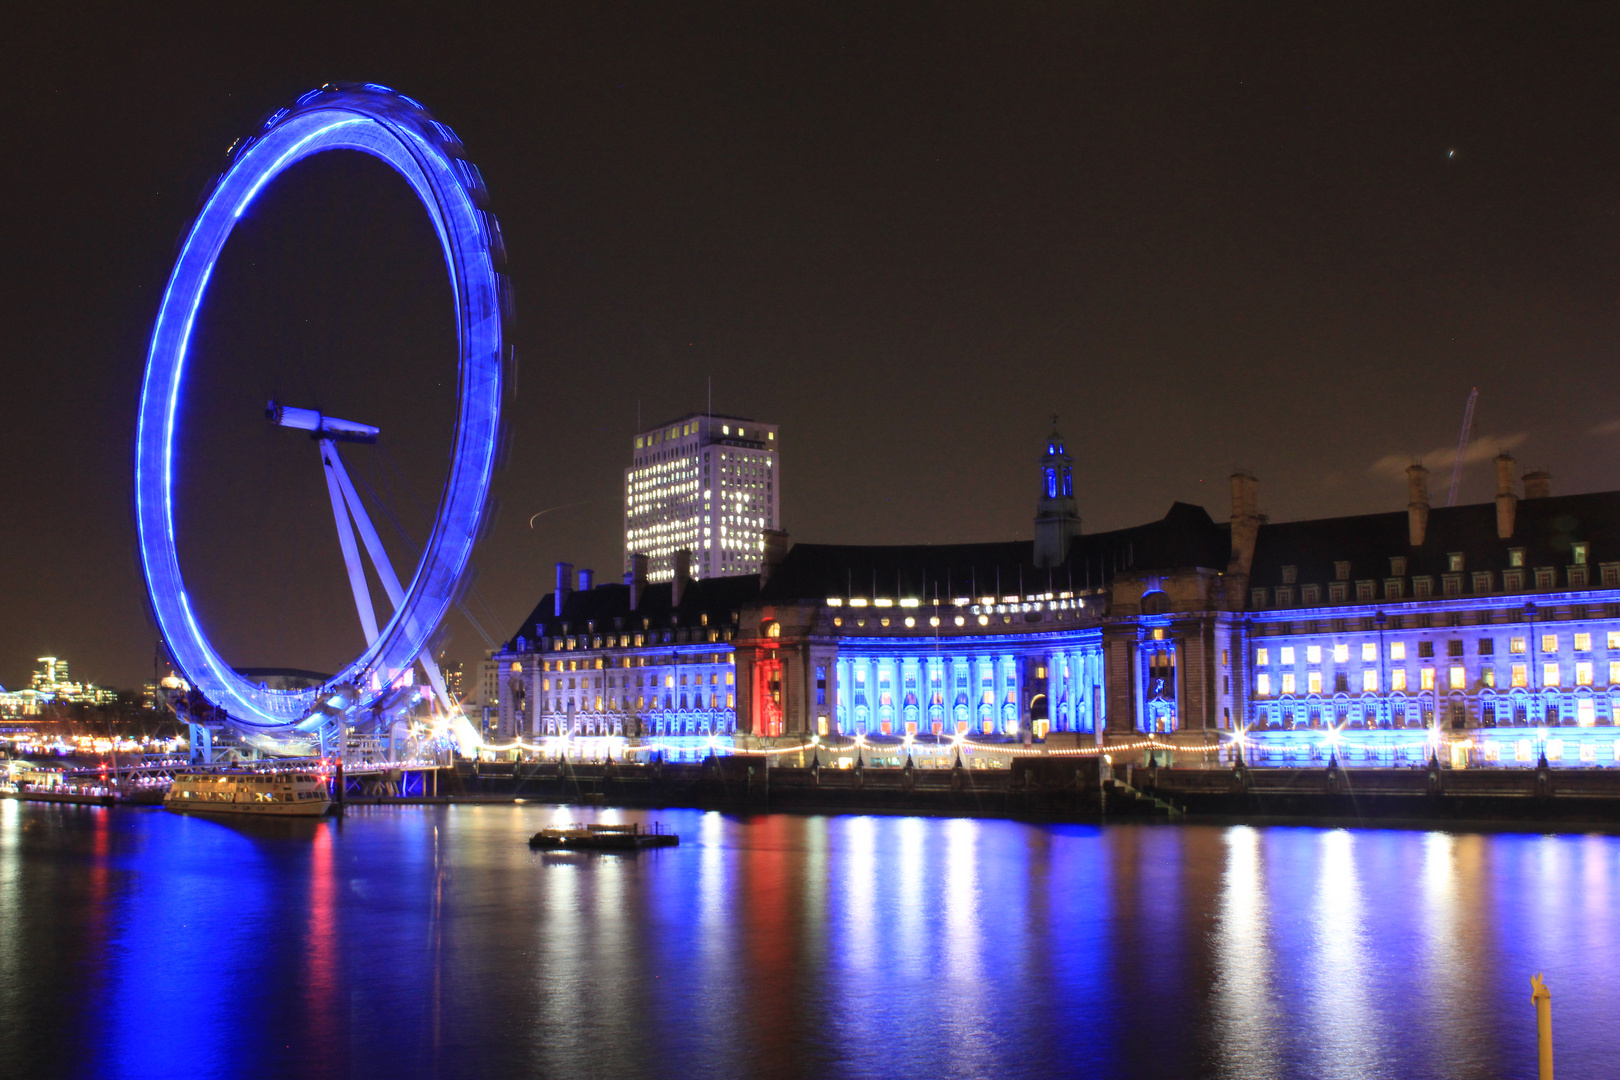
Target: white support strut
column 384, row 568
column 333, row 467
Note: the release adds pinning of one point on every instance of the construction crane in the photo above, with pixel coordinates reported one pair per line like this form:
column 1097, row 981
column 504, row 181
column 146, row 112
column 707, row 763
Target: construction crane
column 1462, row 445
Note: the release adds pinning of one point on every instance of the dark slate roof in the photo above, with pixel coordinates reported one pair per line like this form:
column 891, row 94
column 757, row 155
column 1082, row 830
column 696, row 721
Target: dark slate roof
column 718, row 598
column 1184, row 537
column 1545, row 528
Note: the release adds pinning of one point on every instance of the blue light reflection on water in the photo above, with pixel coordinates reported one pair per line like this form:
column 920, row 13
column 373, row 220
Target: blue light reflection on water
column 433, row 942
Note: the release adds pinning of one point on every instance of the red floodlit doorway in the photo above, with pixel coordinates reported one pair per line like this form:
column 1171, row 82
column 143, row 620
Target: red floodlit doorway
column 768, row 697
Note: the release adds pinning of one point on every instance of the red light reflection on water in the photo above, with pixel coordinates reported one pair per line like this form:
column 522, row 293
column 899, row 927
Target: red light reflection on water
column 770, row 910
column 321, row 944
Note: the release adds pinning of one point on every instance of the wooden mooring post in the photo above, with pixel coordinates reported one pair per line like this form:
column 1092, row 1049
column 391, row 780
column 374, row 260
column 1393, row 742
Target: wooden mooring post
column 1542, row 998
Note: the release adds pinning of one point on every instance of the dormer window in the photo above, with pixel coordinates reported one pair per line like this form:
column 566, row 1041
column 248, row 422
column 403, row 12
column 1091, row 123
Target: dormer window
column 1577, row 553
column 1454, row 562
column 1515, row 557
column 1397, row 566
column 1311, row 594
column 1290, row 574
column 1341, row 570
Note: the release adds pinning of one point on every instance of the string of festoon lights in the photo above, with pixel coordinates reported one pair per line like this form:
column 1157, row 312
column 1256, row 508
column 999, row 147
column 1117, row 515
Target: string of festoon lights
column 564, row 743
column 1233, row 740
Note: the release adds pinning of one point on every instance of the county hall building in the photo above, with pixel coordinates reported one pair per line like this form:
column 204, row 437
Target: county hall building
column 1484, row 634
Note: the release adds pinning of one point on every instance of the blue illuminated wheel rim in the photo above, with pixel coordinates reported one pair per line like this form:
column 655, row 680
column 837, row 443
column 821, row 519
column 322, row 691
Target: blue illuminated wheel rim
column 377, row 121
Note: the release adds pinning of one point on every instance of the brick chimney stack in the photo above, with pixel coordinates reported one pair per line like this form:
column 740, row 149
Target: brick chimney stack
column 776, row 549
column 636, row 578
column 1538, row 484
column 1417, row 503
column 683, row 574
column 565, row 585
column 1245, row 521
column 1507, row 503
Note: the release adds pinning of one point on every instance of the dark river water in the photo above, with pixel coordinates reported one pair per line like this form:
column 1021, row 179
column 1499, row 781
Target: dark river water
column 409, row 942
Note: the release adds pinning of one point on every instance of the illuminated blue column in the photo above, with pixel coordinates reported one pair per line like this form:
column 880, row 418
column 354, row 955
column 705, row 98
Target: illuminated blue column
column 1008, row 694
column 841, row 717
column 935, row 699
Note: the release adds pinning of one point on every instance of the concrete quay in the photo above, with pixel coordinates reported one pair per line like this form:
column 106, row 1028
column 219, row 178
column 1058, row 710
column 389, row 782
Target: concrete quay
column 1070, row 790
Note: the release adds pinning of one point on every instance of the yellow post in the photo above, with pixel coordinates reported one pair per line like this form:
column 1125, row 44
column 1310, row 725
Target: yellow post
column 1543, row 1002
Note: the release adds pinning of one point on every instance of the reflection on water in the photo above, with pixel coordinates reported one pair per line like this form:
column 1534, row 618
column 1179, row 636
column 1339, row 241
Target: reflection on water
column 433, row 942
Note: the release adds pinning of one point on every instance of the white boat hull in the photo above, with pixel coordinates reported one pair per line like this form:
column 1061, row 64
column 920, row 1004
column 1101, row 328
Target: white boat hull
column 254, row 794
column 311, row 808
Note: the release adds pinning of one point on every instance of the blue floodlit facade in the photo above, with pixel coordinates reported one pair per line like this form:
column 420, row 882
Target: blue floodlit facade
column 1484, row 635
column 973, row 685
column 1498, row 679
column 374, row 120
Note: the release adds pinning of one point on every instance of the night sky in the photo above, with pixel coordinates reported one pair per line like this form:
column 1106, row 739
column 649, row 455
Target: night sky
column 1266, row 236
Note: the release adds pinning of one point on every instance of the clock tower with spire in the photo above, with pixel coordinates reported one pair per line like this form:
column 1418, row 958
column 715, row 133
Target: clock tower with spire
column 1057, row 519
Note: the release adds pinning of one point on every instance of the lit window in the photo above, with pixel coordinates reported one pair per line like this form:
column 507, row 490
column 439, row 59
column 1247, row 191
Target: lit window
column 1369, row 650
column 1454, row 562
column 1369, row 681
column 1314, row 682
column 1489, row 675
column 1313, row 654
column 1578, row 554
column 1614, row 672
column 1458, row 677
column 1521, row 675
column 1583, row 673
column 1549, row 674
column 1397, row 650
column 1262, row 657
column 1516, row 645
column 1262, row 684
column 1583, row 642
column 1397, row 679
column 1426, row 678
column 1515, row 556
column 1287, row 654
column 1614, row 639
column 1341, row 653
column 1549, row 642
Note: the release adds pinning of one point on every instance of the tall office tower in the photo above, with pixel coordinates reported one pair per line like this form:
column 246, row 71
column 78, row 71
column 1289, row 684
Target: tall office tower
column 705, row 483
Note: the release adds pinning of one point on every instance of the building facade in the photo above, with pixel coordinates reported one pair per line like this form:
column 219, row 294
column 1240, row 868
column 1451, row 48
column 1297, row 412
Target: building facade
column 707, row 485
column 1487, row 634
column 600, row 667
column 1479, row 635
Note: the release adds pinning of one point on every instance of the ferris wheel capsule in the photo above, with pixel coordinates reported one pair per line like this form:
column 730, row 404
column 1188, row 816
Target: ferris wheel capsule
column 397, row 130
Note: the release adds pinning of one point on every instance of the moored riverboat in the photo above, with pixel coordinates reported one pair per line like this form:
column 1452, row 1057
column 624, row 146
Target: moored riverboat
column 283, row 794
column 602, row 838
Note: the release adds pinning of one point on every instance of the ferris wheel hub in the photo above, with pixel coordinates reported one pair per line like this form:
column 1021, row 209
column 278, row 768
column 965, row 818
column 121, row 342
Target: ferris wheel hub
column 319, row 425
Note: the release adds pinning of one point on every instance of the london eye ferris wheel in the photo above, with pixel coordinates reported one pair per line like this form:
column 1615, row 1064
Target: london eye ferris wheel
column 389, row 126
